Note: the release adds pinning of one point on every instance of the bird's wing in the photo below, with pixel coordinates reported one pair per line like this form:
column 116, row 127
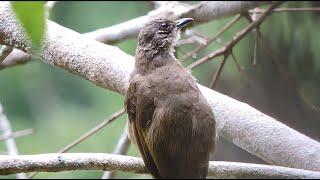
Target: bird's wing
column 139, row 114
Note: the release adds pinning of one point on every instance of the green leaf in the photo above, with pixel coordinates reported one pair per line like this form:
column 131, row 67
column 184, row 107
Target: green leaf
column 32, row 17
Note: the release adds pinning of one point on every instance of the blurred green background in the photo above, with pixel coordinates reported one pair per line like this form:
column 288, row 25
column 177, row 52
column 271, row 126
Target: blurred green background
column 61, row 107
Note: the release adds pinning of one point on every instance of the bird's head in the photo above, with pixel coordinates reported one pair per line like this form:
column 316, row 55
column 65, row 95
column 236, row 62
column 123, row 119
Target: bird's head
column 161, row 34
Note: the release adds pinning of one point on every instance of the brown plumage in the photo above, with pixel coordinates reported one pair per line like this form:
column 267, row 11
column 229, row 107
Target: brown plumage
column 169, row 119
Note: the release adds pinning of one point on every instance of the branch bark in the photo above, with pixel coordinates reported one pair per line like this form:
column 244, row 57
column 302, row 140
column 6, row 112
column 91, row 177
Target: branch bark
column 109, row 67
column 100, row 161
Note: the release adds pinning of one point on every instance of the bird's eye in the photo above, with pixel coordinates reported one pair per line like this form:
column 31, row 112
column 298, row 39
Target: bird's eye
column 164, row 25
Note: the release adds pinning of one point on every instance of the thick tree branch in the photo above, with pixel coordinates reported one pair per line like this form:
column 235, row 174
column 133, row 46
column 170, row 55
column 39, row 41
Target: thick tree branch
column 203, row 12
column 109, row 67
column 100, row 161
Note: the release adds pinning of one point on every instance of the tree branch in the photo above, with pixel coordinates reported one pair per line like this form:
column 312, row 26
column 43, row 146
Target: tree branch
column 213, row 10
column 216, row 36
column 10, row 144
column 306, row 9
column 228, row 47
column 122, row 149
column 100, row 161
column 203, row 12
column 16, row 57
column 17, row 134
column 4, row 52
column 131, row 28
column 218, row 72
column 109, row 67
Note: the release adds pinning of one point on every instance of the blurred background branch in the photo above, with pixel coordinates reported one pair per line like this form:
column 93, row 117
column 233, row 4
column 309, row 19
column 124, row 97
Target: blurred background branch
column 12, row 150
column 17, row 134
column 121, row 149
column 14, row 58
column 312, row 9
column 4, row 52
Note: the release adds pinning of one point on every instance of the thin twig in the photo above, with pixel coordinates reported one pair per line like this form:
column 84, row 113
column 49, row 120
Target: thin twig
column 89, row 133
column 253, row 17
column 239, row 67
column 215, row 37
column 16, row 57
column 121, row 149
column 186, row 41
column 10, row 144
column 199, row 38
column 236, row 38
column 292, row 82
column 4, row 52
column 212, row 55
column 255, row 51
column 93, row 130
column 309, row 9
column 218, row 72
column 17, row 134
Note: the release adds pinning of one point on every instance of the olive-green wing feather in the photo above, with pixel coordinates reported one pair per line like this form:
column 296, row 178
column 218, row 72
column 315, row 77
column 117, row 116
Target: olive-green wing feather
column 138, row 116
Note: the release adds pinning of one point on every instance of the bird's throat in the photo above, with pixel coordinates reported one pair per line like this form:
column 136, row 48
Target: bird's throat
column 149, row 60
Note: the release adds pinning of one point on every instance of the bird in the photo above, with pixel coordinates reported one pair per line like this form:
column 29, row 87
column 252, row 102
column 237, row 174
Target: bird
column 169, row 120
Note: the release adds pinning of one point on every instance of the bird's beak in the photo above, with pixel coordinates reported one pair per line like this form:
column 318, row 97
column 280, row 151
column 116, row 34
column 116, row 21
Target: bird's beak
column 183, row 22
